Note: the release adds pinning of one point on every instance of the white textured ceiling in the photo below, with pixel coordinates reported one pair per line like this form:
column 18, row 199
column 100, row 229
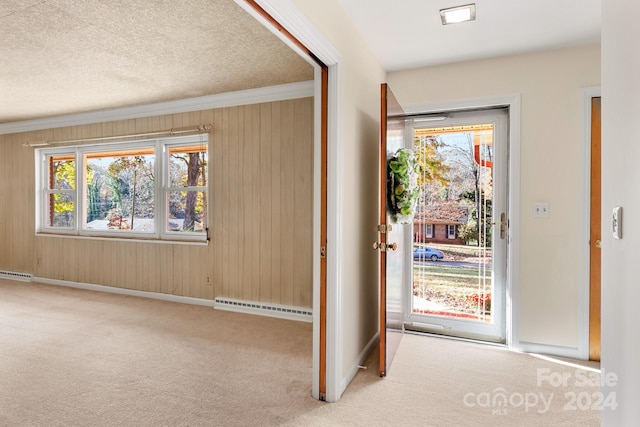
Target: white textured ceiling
column 409, row 33
column 68, row 56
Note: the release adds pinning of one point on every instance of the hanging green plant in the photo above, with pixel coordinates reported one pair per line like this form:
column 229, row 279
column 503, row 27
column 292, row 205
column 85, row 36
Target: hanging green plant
column 402, row 185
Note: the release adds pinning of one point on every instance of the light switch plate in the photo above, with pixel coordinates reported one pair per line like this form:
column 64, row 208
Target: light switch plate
column 541, row 210
column 616, row 222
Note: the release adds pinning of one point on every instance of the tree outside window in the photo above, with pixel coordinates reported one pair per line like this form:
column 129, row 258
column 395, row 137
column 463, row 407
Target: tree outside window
column 127, row 189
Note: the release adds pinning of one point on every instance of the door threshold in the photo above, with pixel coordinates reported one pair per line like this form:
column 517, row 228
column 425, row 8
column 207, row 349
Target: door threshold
column 451, row 337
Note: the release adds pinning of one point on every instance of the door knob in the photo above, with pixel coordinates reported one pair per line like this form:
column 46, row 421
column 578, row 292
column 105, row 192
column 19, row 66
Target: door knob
column 598, row 244
column 385, row 246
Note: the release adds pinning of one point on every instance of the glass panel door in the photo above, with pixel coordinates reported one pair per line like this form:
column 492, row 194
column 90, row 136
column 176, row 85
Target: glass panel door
column 460, row 226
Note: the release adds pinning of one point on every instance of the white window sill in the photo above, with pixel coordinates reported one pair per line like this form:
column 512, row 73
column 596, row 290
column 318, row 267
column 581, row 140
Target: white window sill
column 125, row 239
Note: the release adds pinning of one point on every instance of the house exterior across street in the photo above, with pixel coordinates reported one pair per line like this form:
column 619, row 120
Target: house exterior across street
column 439, row 224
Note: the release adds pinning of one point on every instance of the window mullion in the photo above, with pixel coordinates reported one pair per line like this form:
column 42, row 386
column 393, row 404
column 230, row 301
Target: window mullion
column 80, row 191
column 160, row 171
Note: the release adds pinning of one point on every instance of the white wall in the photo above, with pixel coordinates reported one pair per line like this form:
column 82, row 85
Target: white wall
column 620, row 187
column 360, row 77
column 550, row 86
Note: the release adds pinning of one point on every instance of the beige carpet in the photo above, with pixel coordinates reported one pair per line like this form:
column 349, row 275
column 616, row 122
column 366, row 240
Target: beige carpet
column 70, row 357
column 443, row 382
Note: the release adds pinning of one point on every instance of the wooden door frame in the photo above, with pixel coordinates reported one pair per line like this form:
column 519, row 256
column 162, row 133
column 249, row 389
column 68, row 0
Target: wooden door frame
column 286, row 21
column 382, row 236
column 584, row 290
column 595, row 236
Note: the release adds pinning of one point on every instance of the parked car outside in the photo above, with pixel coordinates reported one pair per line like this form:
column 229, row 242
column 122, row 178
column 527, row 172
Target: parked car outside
column 424, row 252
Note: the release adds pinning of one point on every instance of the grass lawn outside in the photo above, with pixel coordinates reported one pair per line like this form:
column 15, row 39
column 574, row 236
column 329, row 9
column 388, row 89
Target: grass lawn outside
column 462, row 291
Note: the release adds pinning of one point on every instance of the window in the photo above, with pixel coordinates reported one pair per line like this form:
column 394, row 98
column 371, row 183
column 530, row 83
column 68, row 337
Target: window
column 428, row 231
column 60, row 192
column 154, row 189
column 451, row 231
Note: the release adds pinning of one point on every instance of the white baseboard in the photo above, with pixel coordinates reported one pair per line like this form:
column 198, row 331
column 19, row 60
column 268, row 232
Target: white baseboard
column 362, row 357
column 228, row 304
column 552, row 350
column 123, row 291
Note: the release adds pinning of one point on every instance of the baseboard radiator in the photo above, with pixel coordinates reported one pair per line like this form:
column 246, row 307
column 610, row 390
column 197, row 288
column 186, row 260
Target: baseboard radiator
column 264, row 309
column 13, row 275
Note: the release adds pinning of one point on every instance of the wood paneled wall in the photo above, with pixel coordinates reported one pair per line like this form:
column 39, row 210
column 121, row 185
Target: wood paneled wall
column 260, row 222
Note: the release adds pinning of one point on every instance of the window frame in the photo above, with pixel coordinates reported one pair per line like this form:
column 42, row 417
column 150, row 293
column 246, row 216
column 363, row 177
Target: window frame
column 429, row 231
column 160, row 148
column 167, row 189
column 42, row 179
column 452, row 236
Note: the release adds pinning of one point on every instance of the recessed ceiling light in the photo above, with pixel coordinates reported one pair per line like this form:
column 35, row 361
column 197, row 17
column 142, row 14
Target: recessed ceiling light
column 454, row 15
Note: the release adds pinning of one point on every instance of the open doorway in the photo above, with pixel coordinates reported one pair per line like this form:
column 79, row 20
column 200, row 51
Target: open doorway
column 324, row 70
